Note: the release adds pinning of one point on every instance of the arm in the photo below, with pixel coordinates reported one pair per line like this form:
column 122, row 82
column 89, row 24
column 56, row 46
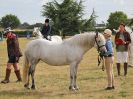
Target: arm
column 109, row 46
column 116, row 37
column 18, row 52
column 49, row 30
column 128, row 39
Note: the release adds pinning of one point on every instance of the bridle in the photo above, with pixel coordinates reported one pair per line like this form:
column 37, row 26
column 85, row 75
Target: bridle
column 100, row 58
column 98, row 46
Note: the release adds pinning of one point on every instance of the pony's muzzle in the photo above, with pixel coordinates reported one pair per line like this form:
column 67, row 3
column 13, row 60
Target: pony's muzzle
column 103, row 49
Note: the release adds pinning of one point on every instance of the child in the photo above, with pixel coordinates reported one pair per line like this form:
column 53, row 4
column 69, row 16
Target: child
column 109, row 59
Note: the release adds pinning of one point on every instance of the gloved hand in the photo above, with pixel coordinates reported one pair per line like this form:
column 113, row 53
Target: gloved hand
column 17, row 58
column 105, row 54
column 102, row 53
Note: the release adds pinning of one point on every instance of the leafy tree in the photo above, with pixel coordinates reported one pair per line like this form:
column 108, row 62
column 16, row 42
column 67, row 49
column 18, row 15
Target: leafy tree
column 91, row 22
column 116, row 18
column 65, row 16
column 9, row 21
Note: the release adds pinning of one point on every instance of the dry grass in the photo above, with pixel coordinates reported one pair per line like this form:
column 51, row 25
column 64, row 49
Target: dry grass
column 53, row 82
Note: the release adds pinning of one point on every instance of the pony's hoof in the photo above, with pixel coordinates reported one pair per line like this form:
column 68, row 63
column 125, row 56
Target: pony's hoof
column 76, row 88
column 26, row 86
column 72, row 88
column 33, row 87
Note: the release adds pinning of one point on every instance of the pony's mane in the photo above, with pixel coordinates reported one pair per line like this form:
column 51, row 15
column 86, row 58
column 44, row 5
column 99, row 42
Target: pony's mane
column 82, row 38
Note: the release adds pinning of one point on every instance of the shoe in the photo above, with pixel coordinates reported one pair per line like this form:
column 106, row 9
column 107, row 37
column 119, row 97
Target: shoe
column 113, row 87
column 18, row 81
column 108, row 88
column 5, row 81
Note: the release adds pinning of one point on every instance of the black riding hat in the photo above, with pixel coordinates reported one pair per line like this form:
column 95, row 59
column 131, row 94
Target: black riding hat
column 47, row 21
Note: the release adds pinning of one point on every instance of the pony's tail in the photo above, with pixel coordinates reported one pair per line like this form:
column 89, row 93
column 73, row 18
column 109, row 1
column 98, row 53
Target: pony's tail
column 25, row 68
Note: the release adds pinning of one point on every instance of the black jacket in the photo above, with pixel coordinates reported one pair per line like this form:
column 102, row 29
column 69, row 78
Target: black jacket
column 126, row 37
column 46, row 30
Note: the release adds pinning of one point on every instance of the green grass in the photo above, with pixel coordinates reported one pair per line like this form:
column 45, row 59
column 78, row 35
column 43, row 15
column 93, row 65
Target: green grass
column 53, row 82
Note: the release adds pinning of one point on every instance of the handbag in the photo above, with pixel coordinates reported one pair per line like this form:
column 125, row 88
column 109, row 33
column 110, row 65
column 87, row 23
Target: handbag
column 119, row 42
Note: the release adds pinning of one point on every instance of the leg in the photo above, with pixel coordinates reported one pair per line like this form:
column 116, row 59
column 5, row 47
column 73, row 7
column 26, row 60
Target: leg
column 73, row 76
column 125, row 69
column 17, row 72
column 28, row 80
column 32, row 72
column 119, row 60
column 118, row 68
column 125, row 57
column 108, row 71
column 8, row 72
column 33, row 82
column 112, row 62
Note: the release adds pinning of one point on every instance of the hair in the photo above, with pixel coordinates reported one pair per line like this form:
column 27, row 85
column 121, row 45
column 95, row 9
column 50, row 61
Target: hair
column 47, row 21
column 122, row 24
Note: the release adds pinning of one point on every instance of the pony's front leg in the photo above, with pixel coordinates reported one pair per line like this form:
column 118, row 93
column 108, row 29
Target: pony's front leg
column 73, row 76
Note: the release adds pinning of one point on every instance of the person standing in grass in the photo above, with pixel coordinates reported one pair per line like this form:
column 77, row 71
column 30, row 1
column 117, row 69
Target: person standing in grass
column 109, row 59
column 14, row 54
column 122, row 40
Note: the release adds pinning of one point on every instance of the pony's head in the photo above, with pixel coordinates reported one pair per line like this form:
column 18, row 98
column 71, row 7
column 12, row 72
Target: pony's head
column 100, row 42
column 36, row 31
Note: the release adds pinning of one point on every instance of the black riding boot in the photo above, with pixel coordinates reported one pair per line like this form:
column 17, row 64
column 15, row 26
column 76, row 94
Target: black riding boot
column 125, row 69
column 18, row 75
column 118, row 68
column 6, row 80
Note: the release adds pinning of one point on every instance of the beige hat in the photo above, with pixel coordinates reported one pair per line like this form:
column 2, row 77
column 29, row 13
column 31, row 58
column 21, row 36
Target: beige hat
column 108, row 32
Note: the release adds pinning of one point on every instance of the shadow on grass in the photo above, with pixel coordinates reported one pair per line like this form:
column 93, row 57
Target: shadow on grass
column 18, row 93
column 36, row 93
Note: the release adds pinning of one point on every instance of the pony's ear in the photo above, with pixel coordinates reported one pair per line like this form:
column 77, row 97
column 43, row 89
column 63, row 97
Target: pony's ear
column 96, row 33
column 39, row 28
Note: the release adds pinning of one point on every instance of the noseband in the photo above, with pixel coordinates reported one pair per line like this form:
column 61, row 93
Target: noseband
column 98, row 44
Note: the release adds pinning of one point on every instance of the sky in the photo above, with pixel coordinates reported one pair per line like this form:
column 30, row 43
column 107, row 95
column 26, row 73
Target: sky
column 30, row 10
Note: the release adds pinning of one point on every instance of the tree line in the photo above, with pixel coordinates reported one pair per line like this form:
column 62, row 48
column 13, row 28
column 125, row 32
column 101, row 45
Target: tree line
column 67, row 17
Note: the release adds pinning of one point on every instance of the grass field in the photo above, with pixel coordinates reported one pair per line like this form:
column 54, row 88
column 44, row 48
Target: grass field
column 53, row 82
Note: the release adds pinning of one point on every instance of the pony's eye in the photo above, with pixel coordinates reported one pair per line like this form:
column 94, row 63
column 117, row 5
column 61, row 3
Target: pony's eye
column 99, row 41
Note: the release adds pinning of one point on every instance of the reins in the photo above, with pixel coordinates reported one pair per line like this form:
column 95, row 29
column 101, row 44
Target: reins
column 100, row 57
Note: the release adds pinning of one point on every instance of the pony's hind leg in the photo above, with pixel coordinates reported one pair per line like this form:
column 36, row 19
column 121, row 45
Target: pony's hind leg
column 33, row 81
column 27, row 83
column 32, row 72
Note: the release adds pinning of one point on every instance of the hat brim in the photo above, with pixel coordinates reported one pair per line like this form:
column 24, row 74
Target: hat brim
column 107, row 34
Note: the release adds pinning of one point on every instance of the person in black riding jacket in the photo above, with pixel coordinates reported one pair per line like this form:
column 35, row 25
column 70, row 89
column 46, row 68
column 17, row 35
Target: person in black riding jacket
column 46, row 29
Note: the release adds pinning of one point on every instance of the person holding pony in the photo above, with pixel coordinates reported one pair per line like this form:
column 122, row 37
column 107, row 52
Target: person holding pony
column 109, row 59
column 122, row 40
column 14, row 54
column 46, row 29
